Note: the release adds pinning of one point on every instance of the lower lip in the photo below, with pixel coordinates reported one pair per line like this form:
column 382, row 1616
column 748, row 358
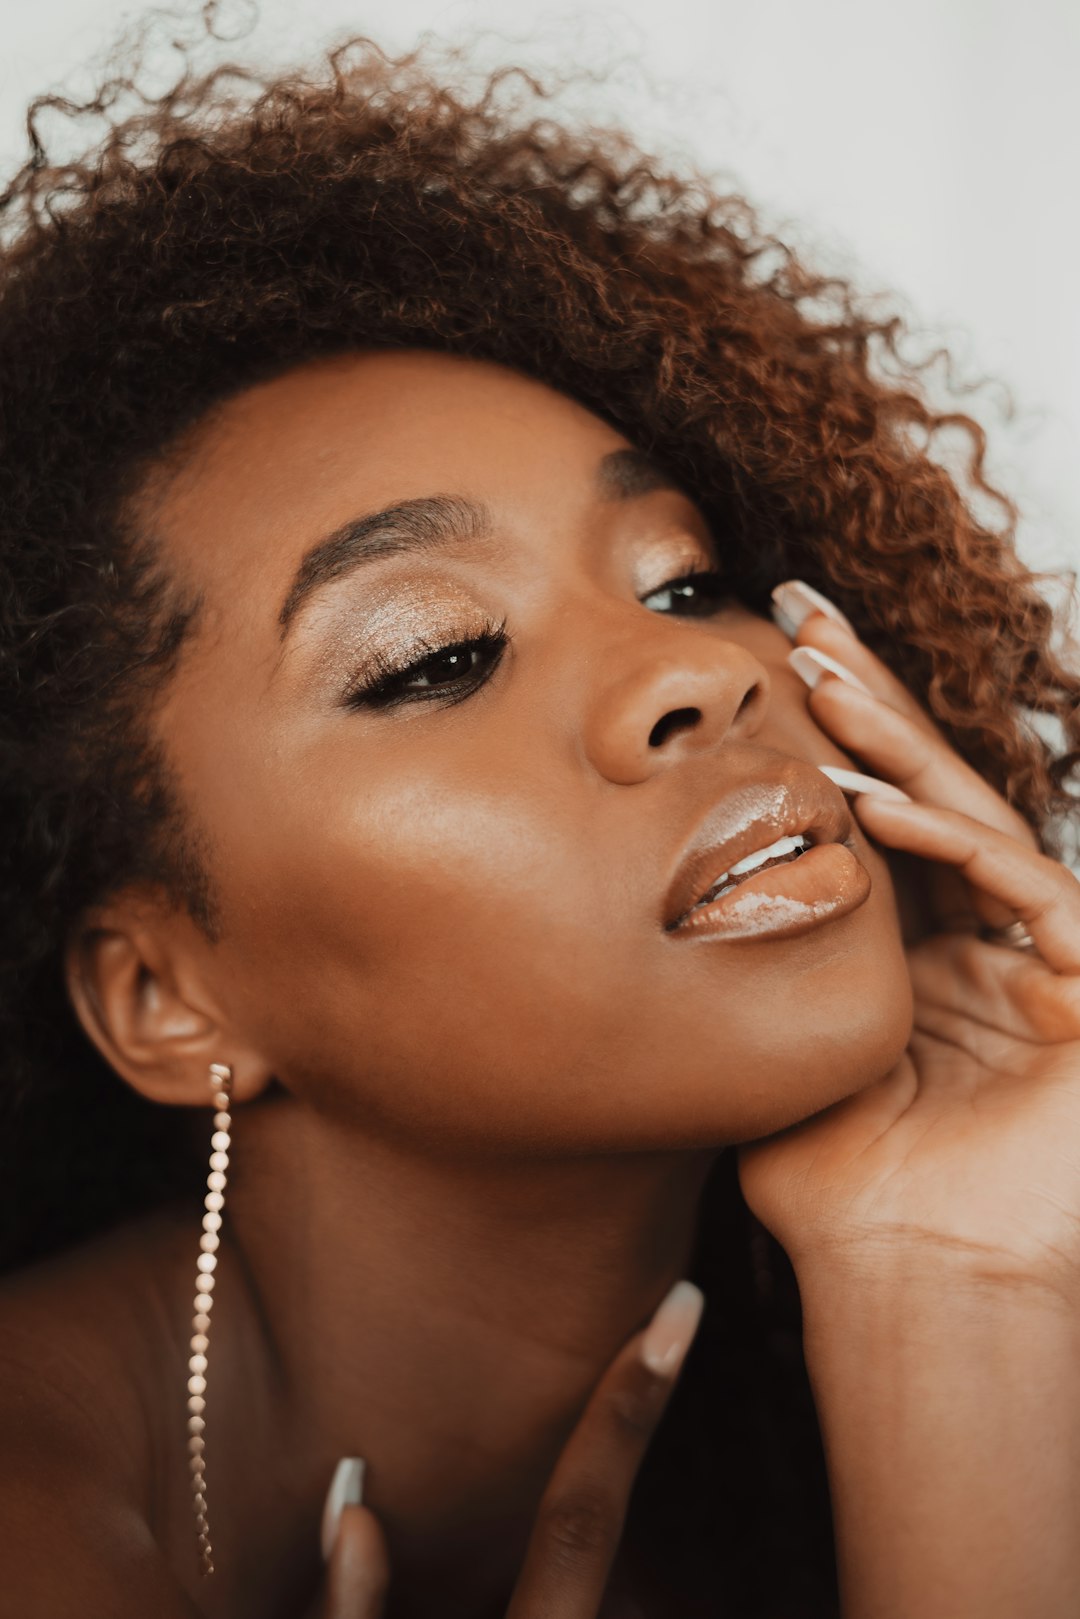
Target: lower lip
column 826, row 882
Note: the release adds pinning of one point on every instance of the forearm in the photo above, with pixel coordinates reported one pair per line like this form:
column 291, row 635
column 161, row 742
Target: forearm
column 951, row 1422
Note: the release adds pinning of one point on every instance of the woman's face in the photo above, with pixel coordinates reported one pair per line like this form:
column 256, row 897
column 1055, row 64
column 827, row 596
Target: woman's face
column 443, row 917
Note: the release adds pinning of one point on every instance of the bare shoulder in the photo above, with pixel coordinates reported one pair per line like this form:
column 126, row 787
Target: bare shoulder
column 84, row 1332
column 77, row 1352
column 75, row 1543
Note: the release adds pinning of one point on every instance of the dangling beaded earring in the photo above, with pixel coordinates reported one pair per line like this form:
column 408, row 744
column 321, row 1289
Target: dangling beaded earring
column 221, row 1084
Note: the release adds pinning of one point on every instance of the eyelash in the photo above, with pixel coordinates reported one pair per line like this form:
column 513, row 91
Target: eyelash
column 383, row 682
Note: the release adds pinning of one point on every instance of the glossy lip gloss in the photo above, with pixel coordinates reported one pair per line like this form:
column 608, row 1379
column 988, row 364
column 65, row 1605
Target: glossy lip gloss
column 826, row 882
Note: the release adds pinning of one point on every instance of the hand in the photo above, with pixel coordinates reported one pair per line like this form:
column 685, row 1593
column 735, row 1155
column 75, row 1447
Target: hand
column 580, row 1517
column 969, row 1148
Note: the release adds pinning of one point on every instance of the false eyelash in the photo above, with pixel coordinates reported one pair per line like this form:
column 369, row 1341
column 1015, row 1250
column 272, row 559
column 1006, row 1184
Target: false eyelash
column 382, row 676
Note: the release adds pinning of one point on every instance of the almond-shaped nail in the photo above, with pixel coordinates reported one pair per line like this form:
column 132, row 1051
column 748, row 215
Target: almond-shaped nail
column 346, row 1490
column 810, row 664
column 672, row 1328
column 795, row 600
column 851, row 781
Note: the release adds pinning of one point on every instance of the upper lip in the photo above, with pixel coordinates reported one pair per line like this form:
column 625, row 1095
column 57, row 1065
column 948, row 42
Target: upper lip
column 752, row 814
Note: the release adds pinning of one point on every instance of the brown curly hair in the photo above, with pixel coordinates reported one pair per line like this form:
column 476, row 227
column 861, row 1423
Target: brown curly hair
column 234, row 227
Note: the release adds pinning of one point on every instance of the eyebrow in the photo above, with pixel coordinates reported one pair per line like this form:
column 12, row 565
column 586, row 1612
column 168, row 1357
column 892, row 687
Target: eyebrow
column 435, row 522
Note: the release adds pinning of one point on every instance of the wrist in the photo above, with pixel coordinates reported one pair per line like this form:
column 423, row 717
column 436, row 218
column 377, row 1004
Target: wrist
column 936, row 1274
column 949, row 1408
column 883, row 1317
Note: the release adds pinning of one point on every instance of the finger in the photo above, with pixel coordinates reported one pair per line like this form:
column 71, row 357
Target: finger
column 904, row 753
column 844, row 645
column 1040, row 892
column 358, row 1573
column 967, row 993
column 580, row 1517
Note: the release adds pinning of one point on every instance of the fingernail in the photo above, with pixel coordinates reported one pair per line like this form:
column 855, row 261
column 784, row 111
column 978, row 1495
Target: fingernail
column 795, row 600
column 346, row 1490
column 671, row 1329
column 852, row 782
column 810, row 665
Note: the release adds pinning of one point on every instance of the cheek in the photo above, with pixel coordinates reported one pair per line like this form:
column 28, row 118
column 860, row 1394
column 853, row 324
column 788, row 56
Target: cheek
column 434, row 959
column 462, row 976
column 460, row 961
column 789, row 725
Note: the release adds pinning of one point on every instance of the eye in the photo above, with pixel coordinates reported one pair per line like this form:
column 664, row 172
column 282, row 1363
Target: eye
column 695, row 594
column 447, row 673
column 453, row 671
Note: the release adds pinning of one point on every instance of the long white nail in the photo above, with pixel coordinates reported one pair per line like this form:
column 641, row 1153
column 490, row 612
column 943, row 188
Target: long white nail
column 852, row 782
column 672, row 1327
column 346, row 1490
column 810, row 664
column 795, row 600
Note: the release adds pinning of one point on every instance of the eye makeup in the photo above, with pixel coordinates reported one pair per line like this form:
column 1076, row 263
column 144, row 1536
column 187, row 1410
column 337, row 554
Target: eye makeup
column 672, row 556
column 449, row 666
column 434, row 640
column 388, row 627
column 443, row 661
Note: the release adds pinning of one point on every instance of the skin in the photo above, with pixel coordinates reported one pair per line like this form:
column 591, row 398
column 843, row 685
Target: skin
column 478, row 1088
column 933, row 1218
column 931, row 1211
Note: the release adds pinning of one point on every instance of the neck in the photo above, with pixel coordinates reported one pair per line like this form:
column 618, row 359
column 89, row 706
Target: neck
column 445, row 1319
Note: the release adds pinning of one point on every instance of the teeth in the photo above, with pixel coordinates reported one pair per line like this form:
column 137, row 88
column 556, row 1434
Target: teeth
column 774, row 851
column 781, row 846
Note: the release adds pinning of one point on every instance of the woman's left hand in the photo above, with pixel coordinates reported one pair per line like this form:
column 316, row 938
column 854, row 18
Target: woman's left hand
column 969, row 1147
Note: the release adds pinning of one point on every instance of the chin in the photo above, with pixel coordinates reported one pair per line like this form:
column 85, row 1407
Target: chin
column 811, row 1081
column 790, row 1110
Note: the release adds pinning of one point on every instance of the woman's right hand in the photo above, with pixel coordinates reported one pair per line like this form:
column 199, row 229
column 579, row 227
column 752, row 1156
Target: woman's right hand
column 580, row 1517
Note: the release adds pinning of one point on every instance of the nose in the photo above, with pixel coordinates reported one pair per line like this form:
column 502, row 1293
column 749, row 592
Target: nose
column 670, row 688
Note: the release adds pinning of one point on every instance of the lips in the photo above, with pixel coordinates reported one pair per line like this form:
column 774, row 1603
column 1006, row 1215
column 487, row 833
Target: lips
column 749, row 817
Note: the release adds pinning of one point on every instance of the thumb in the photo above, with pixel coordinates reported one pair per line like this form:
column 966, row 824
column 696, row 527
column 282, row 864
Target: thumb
column 358, row 1565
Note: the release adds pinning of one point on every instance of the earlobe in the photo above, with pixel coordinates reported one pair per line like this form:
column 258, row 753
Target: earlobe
column 132, row 998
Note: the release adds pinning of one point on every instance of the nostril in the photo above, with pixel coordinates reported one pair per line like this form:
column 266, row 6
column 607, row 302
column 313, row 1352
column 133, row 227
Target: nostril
column 671, row 722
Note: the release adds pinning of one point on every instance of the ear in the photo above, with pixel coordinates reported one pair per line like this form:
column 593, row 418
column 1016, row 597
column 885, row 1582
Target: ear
column 140, row 975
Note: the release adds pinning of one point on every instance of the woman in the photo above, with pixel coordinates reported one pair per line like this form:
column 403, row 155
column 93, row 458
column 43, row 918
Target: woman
column 409, row 511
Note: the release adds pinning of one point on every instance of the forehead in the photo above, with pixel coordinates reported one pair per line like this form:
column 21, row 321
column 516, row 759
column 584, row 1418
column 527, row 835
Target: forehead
column 288, row 460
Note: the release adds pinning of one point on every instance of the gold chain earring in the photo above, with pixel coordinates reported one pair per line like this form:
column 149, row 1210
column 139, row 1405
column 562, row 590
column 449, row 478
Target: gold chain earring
column 221, row 1086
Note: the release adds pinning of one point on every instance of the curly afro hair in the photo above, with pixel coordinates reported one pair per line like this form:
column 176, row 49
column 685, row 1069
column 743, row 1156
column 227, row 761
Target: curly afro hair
column 236, row 226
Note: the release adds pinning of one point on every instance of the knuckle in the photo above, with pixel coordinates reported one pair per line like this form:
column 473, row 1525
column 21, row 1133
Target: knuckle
column 578, row 1528
column 1066, row 882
